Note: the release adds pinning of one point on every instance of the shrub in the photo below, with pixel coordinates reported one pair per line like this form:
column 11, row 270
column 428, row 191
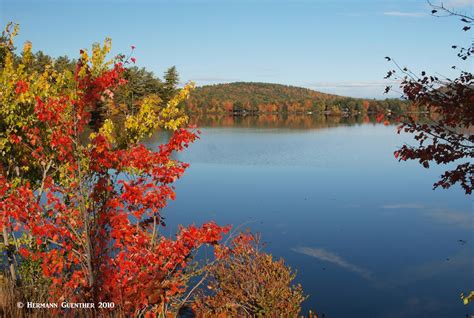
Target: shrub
column 244, row 281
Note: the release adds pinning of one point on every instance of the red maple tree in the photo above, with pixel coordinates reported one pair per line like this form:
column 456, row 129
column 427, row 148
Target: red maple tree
column 89, row 211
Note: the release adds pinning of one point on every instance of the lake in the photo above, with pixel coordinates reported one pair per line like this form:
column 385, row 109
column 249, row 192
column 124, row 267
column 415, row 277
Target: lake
column 366, row 234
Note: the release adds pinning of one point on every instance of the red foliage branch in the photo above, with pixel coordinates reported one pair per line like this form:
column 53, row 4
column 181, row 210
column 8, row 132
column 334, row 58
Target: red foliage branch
column 448, row 138
column 95, row 224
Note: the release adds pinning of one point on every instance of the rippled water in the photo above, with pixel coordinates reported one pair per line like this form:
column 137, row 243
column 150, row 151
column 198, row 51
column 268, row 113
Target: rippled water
column 367, row 234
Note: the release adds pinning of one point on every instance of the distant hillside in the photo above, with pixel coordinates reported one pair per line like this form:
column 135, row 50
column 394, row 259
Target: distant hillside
column 247, row 97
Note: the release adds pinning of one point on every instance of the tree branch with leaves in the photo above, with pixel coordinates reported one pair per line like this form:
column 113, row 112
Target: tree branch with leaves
column 448, row 137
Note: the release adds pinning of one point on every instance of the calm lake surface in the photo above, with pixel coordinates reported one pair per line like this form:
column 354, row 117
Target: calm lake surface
column 367, row 234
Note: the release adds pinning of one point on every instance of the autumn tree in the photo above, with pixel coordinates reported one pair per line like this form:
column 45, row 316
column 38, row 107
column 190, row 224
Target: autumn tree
column 86, row 206
column 81, row 200
column 447, row 138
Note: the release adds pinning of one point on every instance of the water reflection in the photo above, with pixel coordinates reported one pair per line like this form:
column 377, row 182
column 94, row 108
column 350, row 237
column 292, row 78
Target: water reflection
column 329, row 197
column 333, row 258
column 461, row 261
column 442, row 215
column 288, row 121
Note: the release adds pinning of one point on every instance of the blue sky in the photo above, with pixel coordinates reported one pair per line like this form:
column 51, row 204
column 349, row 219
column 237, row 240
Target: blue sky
column 333, row 46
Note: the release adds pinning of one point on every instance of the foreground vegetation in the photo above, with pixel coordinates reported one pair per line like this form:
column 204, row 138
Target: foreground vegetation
column 82, row 198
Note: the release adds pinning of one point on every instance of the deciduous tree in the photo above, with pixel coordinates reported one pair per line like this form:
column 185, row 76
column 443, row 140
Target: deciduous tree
column 448, row 138
column 87, row 206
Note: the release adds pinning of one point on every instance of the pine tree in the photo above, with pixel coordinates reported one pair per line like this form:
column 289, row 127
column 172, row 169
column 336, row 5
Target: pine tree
column 171, row 78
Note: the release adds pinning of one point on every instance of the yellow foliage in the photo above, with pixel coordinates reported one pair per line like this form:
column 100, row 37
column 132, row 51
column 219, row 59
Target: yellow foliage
column 152, row 115
column 467, row 299
column 26, row 54
column 11, row 30
column 21, row 85
column 145, row 121
column 107, row 130
column 96, row 64
column 17, row 105
column 171, row 117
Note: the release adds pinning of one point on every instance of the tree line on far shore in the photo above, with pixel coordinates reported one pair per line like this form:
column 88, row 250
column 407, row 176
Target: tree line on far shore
column 234, row 98
column 265, row 98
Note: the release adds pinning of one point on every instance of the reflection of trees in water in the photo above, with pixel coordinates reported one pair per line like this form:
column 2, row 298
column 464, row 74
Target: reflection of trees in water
column 285, row 120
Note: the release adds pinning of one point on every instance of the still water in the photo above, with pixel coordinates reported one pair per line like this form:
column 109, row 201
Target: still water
column 366, row 234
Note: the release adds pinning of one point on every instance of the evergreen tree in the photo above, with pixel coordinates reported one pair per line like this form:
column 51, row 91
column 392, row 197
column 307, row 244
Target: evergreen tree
column 64, row 63
column 170, row 86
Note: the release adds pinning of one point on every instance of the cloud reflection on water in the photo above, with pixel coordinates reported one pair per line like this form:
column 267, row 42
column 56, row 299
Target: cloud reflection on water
column 333, row 258
column 446, row 216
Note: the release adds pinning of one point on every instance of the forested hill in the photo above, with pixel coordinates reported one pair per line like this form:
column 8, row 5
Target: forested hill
column 247, row 97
